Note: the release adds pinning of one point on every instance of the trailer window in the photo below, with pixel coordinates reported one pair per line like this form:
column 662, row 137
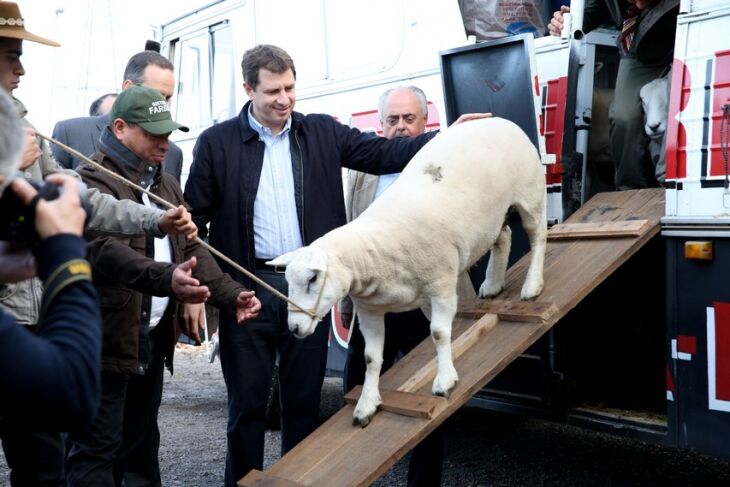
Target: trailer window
column 206, row 78
column 223, row 96
column 193, row 91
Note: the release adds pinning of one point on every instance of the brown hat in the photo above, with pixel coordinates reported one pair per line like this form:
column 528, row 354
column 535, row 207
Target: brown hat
column 12, row 25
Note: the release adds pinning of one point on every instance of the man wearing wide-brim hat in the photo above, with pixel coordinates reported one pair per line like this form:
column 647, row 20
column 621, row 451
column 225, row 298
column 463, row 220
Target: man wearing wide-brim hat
column 139, row 307
column 37, row 159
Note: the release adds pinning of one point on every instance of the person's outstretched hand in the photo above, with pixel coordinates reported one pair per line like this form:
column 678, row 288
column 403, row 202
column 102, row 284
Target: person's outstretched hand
column 185, row 287
column 247, row 306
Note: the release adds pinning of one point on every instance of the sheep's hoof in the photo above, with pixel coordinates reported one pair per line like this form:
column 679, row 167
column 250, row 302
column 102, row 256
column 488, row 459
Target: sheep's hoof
column 490, row 290
column 356, row 421
column 360, row 419
column 443, row 392
column 530, row 291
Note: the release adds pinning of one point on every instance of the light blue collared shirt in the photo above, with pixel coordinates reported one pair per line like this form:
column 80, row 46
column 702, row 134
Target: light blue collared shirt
column 275, row 220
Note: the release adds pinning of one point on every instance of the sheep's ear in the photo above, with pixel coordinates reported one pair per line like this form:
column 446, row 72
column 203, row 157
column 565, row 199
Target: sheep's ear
column 282, row 260
column 317, row 259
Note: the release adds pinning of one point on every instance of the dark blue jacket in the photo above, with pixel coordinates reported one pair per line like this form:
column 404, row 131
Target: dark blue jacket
column 52, row 378
column 227, row 161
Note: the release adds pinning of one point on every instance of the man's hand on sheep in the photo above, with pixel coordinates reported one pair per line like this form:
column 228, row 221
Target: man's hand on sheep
column 177, row 221
column 466, row 117
column 247, row 306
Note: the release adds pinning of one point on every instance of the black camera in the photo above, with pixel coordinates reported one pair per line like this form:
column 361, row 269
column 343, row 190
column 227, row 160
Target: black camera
column 17, row 220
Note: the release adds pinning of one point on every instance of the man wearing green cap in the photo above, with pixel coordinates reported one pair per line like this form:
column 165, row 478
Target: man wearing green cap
column 139, row 317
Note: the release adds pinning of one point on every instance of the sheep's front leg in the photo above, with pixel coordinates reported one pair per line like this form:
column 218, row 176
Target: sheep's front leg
column 442, row 316
column 372, row 327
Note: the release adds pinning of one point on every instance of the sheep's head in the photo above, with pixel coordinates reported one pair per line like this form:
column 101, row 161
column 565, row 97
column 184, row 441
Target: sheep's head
column 655, row 102
column 310, row 287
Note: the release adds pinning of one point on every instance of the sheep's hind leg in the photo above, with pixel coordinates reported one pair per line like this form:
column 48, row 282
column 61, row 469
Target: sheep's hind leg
column 534, row 222
column 443, row 310
column 373, row 331
column 497, row 268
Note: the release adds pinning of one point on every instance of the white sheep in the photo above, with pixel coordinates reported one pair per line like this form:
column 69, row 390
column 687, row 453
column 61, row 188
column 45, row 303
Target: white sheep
column 406, row 251
column 655, row 102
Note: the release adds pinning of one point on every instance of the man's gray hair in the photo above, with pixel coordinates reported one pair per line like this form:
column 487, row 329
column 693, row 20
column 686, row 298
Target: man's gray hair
column 422, row 101
column 11, row 138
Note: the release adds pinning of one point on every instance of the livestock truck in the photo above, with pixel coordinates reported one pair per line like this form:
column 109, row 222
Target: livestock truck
column 645, row 355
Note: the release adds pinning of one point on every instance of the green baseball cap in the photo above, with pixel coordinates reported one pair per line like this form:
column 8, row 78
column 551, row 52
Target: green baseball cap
column 147, row 108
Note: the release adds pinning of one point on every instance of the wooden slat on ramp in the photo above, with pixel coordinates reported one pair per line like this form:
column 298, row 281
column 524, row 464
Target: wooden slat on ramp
column 340, row 454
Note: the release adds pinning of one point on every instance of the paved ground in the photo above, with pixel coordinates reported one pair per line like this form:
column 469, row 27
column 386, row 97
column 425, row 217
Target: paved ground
column 482, row 448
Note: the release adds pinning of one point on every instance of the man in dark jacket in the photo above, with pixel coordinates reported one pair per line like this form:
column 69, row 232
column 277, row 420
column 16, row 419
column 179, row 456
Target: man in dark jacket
column 269, row 181
column 135, row 278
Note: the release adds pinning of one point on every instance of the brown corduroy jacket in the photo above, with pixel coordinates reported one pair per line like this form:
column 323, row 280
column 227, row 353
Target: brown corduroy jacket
column 126, row 276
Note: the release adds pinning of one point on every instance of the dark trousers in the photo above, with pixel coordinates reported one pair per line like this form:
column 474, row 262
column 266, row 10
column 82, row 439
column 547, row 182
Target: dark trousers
column 34, row 456
column 248, row 353
column 123, row 441
column 403, row 331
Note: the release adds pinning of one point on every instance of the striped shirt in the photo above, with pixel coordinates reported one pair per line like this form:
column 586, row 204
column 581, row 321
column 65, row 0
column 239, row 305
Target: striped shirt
column 275, row 220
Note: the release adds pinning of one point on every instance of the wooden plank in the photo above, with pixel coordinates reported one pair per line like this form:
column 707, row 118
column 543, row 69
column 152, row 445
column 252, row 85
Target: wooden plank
column 573, row 268
column 257, row 478
column 533, row 311
column 405, row 403
column 339, row 453
column 626, row 228
column 467, row 339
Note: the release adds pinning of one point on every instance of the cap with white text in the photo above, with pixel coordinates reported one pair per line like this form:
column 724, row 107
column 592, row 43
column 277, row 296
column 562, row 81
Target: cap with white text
column 147, row 108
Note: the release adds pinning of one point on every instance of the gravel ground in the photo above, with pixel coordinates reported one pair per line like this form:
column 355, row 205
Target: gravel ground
column 482, row 448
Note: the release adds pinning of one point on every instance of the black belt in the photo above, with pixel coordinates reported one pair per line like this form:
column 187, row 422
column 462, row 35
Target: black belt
column 261, row 265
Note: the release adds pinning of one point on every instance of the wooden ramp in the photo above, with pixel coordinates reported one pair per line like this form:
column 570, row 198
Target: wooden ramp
column 487, row 335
